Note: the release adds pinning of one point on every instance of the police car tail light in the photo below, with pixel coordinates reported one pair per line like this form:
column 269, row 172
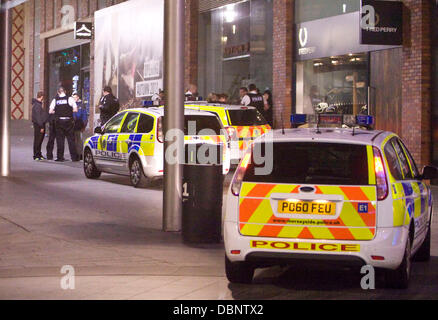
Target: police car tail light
column 381, row 182
column 160, row 136
column 240, row 173
column 231, row 133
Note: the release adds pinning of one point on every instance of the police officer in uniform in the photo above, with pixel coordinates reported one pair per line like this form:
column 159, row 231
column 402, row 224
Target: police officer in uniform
column 63, row 108
column 108, row 105
column 254, row 99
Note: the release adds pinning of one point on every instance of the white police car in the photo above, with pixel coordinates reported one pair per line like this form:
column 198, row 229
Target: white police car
column 132, row 143
column 338, row 195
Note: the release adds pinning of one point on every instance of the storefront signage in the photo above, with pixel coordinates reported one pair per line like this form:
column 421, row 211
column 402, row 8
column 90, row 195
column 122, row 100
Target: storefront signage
column 303, row 37
column 331, row 36
column 236, row 51
column 381, row 22
column 148, row 88
column 83, row 30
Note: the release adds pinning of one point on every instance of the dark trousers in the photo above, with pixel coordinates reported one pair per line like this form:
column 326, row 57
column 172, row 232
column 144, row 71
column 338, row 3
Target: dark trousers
column 65, row 129
column 38, row 138
column 52, row 137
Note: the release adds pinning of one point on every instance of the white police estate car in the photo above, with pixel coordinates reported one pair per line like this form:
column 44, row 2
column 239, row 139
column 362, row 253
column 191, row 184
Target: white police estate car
column 132, row 143
column 333, row 195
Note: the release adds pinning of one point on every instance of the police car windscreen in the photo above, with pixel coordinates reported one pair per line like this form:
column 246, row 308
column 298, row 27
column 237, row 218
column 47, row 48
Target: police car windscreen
column 246, row 117
column 195, row 125
column 309, row 163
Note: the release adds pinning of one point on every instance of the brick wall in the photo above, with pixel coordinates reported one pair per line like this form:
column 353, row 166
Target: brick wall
column 50, row 23
column 416, row 79
column 191, row 43
column 282, row 61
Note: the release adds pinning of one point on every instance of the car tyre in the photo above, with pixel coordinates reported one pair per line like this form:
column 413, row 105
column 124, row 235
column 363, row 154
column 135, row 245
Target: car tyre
column 90, row 169
column 399, row 278
column 423, row 253
column 136, row 173
column 238, row 272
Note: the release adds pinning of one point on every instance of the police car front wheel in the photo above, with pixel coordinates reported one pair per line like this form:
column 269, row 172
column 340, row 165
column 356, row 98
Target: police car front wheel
column 90, row 169
column 423, row 253
column 399, row 278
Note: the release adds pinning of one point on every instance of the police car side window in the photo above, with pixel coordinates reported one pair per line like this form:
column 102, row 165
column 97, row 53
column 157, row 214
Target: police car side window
column 407, row 173
column 130, row 123
column 114, row 124
column 414, row 167
column 393, row 162
column 145, row 124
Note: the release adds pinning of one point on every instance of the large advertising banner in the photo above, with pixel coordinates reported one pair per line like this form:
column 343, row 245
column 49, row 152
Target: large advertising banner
column 128, row 53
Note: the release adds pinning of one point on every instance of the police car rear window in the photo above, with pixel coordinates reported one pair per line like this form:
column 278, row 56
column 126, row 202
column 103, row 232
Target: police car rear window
column 246, row 117
column 311, row 163
column 195, row 125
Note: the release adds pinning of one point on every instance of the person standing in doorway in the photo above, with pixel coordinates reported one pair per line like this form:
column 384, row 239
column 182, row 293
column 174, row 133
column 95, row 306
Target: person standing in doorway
column 108, row 105
column 81, row 121
column 192, row 93
column 244, row 98
column 39, row 119
column 267, row 98
column 63, row 108
column 255, row 99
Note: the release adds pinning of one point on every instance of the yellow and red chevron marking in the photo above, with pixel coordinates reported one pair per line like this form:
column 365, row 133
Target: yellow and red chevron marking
column 246, row 134
column 257, row 217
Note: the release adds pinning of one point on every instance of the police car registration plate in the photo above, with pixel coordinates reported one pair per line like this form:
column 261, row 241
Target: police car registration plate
column 307, row 207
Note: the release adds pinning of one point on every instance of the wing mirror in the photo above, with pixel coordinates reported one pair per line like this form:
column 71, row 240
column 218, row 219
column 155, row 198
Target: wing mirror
column 429, row 173
column 98, row 130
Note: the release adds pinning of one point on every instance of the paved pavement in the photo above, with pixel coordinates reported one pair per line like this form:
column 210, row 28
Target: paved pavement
column 51, row 216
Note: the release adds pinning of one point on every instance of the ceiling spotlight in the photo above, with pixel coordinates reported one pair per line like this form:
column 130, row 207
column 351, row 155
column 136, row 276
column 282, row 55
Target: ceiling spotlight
column 230, row 14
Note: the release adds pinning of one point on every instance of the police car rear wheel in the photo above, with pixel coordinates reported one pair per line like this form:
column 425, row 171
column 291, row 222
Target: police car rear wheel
column 399, row 278
column 238, row 272
column 90, row 169
column 136, row 173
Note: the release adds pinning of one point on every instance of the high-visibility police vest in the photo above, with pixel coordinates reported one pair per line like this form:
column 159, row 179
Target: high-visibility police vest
column 256, row 101
column 62, row 108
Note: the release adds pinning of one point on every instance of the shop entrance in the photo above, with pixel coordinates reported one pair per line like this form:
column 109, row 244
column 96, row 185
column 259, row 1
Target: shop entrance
column 70, row 68
column 64, row 70
column 337, row 84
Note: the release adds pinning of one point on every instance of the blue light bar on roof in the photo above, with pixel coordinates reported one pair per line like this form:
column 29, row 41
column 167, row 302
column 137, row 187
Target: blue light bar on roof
column 333, row 119
column 148, row 103
column 298, row 119
column 364, row 120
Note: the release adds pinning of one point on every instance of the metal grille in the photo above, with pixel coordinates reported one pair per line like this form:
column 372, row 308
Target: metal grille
column 207, row 5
